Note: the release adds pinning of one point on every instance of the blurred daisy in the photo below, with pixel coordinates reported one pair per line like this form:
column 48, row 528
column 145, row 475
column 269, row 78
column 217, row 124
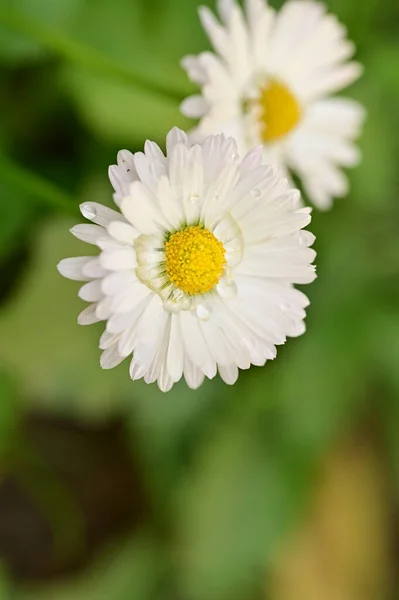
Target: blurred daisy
column 195, row 273
column 270, row 82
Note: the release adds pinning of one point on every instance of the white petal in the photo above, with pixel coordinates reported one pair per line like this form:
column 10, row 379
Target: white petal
column 226, row 9
column 174, row 137
column 169, row 203
column 130, row 337
column 217, row 342
column 154, row 337
column 158, row 370
column 87, row 233
column 193, row 376
column 116, row 282
column 175, row 357
column 194, row 69
column 165, row 382
column 91, row 292
column 252, row 160
column 298, row 329
column 88, row 316
column 334, row 80
column 178, row 163
column 215, row 31
column 228, row 374
column 278, row 226
column 93, row 269
column 153, row 151
column 108, row 339
column 99, row 214
column 195, row 345
column 122, row 174
column 279, row 269
column 110, row 358
column 122, row 232
column 123, row 321
column 108, row 243
column 103, row 309
column 119, row 260
column 194, row 106
column 72, row 268
column 146, row 172
column 140, row 210
column 128, row 298
column 136, row 370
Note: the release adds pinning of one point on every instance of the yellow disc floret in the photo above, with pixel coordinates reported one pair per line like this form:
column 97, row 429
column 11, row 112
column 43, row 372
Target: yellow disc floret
column 279, row 110
column 195, row 259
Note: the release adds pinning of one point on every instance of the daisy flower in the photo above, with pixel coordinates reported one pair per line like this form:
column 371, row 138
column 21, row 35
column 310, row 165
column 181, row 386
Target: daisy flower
column 270, row 82
column 195, row 273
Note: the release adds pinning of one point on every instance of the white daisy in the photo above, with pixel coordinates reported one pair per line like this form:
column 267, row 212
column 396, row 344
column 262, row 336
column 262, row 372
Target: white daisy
column 270, row 82
column 195, row 273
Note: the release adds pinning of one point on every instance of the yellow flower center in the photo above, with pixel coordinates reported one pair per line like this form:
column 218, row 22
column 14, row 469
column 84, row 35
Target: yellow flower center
column 279, row 110
column 195, row 259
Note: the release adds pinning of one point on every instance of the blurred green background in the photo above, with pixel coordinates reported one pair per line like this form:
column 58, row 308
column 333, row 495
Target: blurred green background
column 284, row 487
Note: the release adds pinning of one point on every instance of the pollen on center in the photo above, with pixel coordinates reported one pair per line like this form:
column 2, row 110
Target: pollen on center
column 278, row 110
column 195, row 259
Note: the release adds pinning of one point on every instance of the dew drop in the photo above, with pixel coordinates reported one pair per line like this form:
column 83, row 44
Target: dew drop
column 194, row 198
column 234, row 156
column 256, row 193
column 202, row 312
column 88, row 211
column 215, row 198
column 227, row 288
column 177, row 301
column 234, row 246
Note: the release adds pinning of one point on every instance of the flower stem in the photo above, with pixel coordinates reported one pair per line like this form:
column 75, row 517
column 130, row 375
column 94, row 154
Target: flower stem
column 35, row 185
column 79, row 53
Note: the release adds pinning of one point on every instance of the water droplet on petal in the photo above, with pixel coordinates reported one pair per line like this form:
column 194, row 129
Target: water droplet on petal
column 202, row 312
column 227, row 288
column 234, row 246
column 234, row 156
column 194, row 198
column 256, row 193
column 88, row 211
column 177, row 301
column 285, row 306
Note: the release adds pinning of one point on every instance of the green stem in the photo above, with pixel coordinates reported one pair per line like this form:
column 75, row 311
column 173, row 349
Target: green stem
column 35, row 185
column 79, row 53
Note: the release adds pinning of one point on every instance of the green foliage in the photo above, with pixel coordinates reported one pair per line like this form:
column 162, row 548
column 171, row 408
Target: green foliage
column 228, row 470
column 240, row 500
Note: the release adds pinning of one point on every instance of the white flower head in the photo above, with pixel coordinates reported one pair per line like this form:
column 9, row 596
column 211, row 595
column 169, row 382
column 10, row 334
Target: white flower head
column 270, row 82
column 195, row 273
